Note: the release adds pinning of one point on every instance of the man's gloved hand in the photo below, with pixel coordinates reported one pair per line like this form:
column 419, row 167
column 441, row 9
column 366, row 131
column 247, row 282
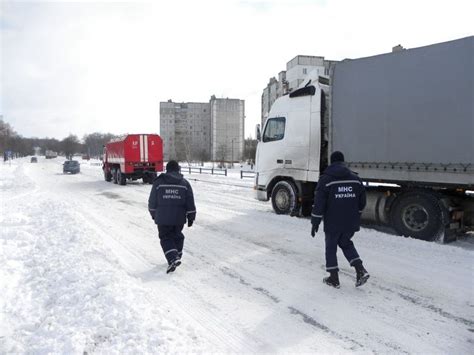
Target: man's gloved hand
column 190, row 222
column 314, row 229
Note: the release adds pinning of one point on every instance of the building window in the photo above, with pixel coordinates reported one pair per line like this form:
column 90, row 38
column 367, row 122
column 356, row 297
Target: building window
column 305, row 71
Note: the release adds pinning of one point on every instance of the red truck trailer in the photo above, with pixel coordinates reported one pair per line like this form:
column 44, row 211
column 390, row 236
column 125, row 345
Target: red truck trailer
column 133, row 156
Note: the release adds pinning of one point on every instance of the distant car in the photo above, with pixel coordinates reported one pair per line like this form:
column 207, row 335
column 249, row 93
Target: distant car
column 34, row 160
column 71, row 166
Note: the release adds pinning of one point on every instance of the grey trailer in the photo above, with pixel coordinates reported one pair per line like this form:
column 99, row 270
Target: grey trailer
column 408, row 117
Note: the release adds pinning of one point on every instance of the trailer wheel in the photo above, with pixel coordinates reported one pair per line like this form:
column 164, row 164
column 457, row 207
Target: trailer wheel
column 114, row 176
column 417, row 215
column 121, row 179
column 284, row 198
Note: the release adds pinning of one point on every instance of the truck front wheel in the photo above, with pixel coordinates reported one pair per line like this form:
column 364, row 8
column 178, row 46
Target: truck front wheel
column 417, row 215
column 284, row 198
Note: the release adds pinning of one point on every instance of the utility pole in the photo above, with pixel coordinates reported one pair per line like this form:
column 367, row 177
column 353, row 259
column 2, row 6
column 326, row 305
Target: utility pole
column 232, row 152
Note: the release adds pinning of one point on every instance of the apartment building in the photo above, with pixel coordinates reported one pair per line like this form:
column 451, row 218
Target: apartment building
column 227, row 126
column 185, row 130
column 203, row 130
column 296, row 71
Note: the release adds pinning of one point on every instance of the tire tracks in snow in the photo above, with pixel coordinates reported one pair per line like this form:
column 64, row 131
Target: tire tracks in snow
column 241, row 340
column 415, row 300
column 356, row 345
column 311, row 321
column 411, row 300
column 294, row 311
column 347, row 342
column 229, row 339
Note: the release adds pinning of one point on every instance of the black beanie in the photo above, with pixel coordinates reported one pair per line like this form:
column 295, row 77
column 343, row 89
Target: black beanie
column 172, row 166
column 337, row 156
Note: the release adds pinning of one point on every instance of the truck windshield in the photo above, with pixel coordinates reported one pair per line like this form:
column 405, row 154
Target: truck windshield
column 274, row 130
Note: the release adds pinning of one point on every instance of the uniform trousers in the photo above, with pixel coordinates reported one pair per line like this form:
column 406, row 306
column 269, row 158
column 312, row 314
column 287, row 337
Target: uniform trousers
column 343, row 240
column 172, row 241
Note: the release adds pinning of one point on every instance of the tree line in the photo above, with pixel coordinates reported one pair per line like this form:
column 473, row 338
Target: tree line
column 91, row 144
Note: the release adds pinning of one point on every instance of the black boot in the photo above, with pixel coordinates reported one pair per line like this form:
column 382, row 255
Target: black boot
column 332, row 280
column 361, row 275
column 174, row 264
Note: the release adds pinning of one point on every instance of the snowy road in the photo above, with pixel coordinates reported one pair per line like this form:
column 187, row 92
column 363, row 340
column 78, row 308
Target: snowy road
column 81, row 269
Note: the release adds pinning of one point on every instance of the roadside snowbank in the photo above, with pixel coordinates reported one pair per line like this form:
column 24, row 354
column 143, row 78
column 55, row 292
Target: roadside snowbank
column 63, row 291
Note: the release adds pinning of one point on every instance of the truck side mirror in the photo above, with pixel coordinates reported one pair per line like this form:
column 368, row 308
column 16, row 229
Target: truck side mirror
column 258, row 134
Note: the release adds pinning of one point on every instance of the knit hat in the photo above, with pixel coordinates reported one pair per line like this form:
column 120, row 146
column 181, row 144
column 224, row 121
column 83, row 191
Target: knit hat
column 173, row 166
column 337, row 156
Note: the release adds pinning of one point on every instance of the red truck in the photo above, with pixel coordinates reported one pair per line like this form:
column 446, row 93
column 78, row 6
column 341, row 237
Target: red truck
column 133, row 156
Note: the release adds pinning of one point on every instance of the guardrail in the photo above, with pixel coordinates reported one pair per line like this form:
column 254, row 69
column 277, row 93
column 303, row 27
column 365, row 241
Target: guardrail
column 247, row 174
column 213, row 171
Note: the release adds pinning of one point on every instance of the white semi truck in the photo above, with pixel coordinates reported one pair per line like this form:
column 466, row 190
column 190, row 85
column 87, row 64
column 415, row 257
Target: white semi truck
column 405, row 123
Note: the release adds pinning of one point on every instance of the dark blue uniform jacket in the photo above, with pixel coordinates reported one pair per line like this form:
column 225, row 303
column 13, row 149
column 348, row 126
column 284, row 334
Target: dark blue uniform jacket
column 171, row 200
column 339, row 200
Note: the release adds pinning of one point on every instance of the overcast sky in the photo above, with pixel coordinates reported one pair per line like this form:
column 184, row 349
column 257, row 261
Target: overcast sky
column 85, row 66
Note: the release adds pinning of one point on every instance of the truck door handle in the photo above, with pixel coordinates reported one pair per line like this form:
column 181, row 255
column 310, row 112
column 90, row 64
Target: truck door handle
column 279, row 161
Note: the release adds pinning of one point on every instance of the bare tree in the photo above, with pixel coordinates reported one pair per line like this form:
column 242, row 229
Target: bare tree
column 202, row 156
column 13, row 142
column 95, row 142
column 70, row 145
column 188, row 150
column 221, row 153
column 6, row 135
column 250, row 149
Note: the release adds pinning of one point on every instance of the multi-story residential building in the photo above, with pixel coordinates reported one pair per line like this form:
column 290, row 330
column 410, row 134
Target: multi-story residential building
column 296, row 71
column 227, row 126
column 203, row 131
column 275, row 88
column 185, row 130
column 302, row 65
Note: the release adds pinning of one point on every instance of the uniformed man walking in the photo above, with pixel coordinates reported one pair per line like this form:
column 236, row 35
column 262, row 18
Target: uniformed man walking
column 171, row 202
column 339, row 200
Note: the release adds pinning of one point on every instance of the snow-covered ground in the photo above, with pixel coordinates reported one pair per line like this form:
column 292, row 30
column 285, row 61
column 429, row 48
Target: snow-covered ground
column 81, row 270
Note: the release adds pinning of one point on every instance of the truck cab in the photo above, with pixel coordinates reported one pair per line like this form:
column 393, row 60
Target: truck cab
column 289, row 149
